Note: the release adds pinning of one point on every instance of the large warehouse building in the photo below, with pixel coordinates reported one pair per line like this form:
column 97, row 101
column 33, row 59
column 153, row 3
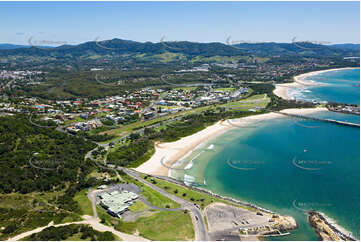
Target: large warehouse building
column 116, row 203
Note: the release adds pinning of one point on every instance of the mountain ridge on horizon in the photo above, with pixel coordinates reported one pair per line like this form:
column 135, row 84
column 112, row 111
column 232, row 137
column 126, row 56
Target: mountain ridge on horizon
column 18, row 46
column 116, row 52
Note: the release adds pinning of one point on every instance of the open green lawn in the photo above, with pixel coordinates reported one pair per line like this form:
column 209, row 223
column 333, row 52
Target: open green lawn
column 138, row 206
column 157, row 199
column 257, row 96
column 75, row 120
column 167, row 107
column 225, row 89
column 85, row 204
column 162, row 225
column 185, row 88
column 260, row 100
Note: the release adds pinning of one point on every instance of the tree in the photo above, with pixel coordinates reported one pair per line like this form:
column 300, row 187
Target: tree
column 10, row 228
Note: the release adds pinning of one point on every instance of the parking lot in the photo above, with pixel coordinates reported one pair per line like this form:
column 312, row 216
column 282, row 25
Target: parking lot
column 222, row 217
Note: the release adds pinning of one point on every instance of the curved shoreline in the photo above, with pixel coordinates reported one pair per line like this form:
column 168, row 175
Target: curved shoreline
column 281, row 90
column 170, row 153
column 178, row 150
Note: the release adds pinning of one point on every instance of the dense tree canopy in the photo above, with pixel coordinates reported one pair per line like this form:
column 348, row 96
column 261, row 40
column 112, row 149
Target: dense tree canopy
column 39, row 159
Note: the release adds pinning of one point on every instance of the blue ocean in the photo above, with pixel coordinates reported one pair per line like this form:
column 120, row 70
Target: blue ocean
column 341, row 86
column 288, row 165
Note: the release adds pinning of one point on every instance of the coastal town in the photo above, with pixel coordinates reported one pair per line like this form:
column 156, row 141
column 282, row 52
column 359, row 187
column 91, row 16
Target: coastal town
column 143, row 104
column 180, row 121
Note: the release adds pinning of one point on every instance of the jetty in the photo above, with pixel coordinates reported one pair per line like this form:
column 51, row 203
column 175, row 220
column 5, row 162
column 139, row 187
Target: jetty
column 345, row 123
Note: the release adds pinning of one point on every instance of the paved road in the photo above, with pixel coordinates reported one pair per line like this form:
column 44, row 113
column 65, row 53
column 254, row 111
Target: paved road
column 196, row 213
column 92, row 197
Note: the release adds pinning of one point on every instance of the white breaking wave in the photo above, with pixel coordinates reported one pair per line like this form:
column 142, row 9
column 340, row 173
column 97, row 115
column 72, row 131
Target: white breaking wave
column 210, row 147
column 188, row 166
column 188, row 180
column 297, row 93
column 337, row 226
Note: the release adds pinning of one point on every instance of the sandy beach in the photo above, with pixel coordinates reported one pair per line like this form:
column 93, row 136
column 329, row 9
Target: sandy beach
column 281, row 90
column 174, row 151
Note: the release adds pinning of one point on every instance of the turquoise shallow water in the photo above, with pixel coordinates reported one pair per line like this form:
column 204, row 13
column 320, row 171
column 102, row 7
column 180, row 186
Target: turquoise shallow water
column 288, row 166
column 339, row 86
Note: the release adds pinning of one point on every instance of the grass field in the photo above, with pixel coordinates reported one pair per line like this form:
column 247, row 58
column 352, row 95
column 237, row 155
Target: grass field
column 260, row 100
column 185, row 88
column 138, row 206
column 75, row 120
column 162, row 225
column 225, row 89
column 85, row 204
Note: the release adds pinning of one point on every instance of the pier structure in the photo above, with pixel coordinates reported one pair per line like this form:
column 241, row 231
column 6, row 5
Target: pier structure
column 345, row 123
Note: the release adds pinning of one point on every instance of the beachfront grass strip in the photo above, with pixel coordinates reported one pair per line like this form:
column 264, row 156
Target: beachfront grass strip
column 156, row 199
column 84, row 203
column 199, row 198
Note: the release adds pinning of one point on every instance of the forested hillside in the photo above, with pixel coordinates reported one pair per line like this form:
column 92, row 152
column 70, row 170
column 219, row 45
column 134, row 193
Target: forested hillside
column 39, row 159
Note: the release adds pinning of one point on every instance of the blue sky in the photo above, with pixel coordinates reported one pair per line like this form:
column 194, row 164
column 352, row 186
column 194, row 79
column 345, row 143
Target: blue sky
column 76, row 22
